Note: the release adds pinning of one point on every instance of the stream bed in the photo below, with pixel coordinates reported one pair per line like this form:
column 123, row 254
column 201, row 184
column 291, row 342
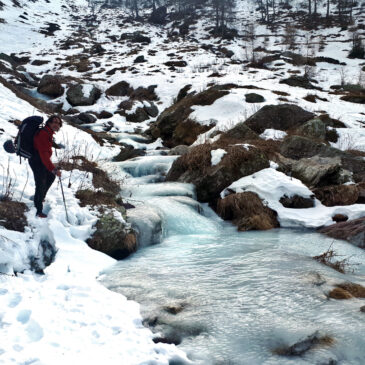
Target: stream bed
column 228, row 297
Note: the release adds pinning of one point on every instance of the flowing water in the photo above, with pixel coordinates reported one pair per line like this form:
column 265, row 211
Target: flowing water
column 229, row 297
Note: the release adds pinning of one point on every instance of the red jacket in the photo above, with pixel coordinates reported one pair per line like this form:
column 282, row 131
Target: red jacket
column 43, row 144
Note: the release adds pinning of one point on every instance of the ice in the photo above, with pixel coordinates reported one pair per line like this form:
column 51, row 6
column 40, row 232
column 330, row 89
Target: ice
column 24, row 315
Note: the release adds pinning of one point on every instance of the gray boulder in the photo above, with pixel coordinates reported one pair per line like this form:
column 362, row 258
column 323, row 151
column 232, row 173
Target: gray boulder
column 51, row 86
column 280, row 117
column 314, row 128
column 151, row 109
column 77, row 95
column 254, row 98
column 121, row 88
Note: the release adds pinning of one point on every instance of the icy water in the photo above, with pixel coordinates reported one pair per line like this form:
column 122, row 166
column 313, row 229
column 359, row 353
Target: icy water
column 231, row 297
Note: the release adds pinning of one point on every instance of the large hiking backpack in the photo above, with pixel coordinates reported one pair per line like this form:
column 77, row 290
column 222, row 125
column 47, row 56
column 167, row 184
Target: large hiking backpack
column 24, row 140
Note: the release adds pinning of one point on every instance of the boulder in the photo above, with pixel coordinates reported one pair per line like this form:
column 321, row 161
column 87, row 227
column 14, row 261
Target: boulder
column 79, row 95
column 340, row 218
column 337, row 195
column 247, row 212
column 104, row 115
column 144, row 93
column 296, row 202
column 113, row 237
column 280, row 117
column 151, row 109
column 361, row 189
column 177, row 113
column 299, row 81
column 87, row 118
column 179, row 150
column 121, row 88
column 314, row 128
column 138, row 116
column 158, row 16
column 195, row 167
column 135, row 37
column 176, row 63
column 240, row 132
column 352, row 231
column 254, row 98
column 139, row 59
column 128, row 152
column 320, row 171
column 51, row 86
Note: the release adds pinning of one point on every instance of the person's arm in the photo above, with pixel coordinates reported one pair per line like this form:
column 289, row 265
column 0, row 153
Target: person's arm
column 43, row 145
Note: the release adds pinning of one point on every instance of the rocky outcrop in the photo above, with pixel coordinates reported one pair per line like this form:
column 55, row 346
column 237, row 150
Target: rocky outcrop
column 314, row 128
column 352, row 231
column 170, row 119
column 298, row 147
column 51, row 86
column 113, row 237
column 81, row 95
column 337, row 195
column 280, row 117
column 247, row 212
column 320, row 171
column 195, row 167
column 121, row 88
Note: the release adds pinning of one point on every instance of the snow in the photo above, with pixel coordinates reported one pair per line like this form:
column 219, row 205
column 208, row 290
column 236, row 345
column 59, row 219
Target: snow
column 217, row 156
column 273, row 134
column 270, row 185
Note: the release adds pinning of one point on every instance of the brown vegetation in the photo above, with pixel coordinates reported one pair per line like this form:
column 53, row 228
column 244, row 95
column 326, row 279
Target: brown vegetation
column 327, row 258
column 12, row 215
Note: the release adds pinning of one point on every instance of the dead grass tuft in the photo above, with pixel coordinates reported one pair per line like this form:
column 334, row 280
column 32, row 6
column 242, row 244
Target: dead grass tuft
column 90, row 197
column 12, row 215
column 328, row 258
column 198, row 158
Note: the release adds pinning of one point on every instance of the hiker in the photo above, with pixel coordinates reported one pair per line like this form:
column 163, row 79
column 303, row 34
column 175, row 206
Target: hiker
column 44, row 170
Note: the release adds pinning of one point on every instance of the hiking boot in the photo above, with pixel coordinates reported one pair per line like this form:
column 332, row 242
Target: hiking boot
column 41, row 215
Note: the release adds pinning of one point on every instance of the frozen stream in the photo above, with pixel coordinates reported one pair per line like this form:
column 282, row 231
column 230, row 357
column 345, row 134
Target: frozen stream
column 233, row 297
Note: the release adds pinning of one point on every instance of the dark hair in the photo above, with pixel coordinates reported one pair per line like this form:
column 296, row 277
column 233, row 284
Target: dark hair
column 52, row 118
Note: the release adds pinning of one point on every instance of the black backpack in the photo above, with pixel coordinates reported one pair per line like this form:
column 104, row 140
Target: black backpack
column 24, row 140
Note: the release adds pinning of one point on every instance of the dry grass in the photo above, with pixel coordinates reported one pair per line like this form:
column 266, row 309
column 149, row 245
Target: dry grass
column 198, row 158
column 90, row 197
column 12, row 215
column 328, row 258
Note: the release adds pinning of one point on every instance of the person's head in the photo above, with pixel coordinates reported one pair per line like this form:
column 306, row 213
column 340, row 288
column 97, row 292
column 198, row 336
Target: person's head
column 54, row 122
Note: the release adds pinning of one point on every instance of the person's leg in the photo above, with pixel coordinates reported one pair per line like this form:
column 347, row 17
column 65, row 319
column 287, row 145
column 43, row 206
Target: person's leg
column 39, row 173
column 49, row 181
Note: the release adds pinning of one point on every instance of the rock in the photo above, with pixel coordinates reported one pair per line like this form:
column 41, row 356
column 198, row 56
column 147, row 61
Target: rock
column 158, row 16
column 140, row 59
column 320, row 171
column 314, row 128
column 151, row 109
column 296, row 202
column 339, row 293
column 362, row 309
column 144, row 93
column 301, row 347
column 240, row 132
column 247, row 212
column 337, row 195
column 51, row 86
column 87, row 118
column 77, row 95
column 128, row 152
column 183, row 92
column 176, row 64
column 254, row 98
column 39, row 62
column 179, row 150
column 147, row 223
column 299, row 81
column 121, row 88
column 280, row 117
column 135, row 37
column 297, row 147
column 361, row 189
column 195, row 167
column 352, row 231
column 357, row 98
column 97, row 49
column 138, row 116
column 177, row 113
column 340, row 218
column 104, row 115
column 113, row 237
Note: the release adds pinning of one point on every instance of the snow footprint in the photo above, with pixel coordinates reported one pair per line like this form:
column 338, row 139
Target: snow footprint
column 34, row 331
column 15, row 300
column 23, row 316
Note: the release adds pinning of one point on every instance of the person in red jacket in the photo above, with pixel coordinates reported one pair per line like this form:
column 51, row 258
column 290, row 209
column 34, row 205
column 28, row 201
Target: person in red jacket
column 44, row 170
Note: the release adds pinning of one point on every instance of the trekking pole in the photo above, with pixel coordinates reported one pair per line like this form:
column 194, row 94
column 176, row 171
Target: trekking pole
column 64, row 201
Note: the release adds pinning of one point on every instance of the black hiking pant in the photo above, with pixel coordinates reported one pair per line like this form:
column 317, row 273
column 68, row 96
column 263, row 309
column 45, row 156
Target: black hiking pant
column 43, row 180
